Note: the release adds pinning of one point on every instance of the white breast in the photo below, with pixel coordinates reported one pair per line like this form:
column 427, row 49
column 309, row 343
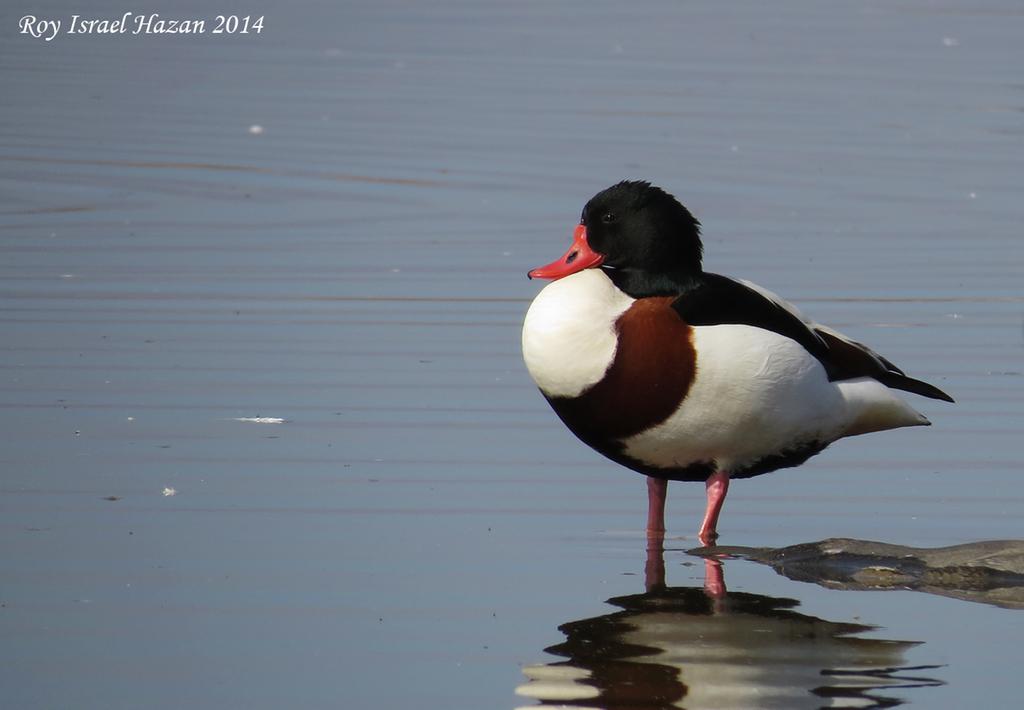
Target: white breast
column 569, row 336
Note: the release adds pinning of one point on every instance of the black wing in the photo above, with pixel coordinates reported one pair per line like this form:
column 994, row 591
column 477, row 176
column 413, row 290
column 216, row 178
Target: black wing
column 719, row 300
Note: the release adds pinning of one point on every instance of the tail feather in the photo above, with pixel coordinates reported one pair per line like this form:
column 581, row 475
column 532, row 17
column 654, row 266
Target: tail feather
column 909, row 384
column 871, row 406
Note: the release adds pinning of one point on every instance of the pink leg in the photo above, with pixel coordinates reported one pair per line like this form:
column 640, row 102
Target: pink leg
column 654, row 568
column 657, row 490
column 714, row 579
column 717, row 486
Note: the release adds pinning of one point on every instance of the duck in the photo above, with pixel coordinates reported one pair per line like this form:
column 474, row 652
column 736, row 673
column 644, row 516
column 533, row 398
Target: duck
column 681, row 374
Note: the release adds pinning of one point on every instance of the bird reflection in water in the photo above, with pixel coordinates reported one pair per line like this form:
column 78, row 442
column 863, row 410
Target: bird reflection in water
column 706, row 647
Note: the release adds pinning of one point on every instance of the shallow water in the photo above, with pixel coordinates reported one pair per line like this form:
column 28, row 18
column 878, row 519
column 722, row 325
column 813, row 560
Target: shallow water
column 419, row 526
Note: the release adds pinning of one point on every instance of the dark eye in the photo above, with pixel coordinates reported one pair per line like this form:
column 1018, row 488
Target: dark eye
column 608, row 217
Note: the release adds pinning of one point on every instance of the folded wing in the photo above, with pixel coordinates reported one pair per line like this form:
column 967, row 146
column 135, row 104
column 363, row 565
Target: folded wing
column 719, row 300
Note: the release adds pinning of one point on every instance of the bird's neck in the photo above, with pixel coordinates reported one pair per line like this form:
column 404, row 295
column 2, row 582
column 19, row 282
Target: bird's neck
column 645, row 284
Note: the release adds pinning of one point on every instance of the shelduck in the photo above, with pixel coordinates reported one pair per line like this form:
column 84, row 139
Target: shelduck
column 685, row 375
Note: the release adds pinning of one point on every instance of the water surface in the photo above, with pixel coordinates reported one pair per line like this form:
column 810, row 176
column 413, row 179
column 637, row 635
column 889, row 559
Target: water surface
column 418, row 526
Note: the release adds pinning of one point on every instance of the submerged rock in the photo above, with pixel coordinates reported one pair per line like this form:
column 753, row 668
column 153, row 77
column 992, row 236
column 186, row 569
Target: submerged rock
column 988, row 572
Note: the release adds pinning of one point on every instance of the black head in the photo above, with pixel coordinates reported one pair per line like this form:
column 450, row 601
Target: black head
column 650, row 242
